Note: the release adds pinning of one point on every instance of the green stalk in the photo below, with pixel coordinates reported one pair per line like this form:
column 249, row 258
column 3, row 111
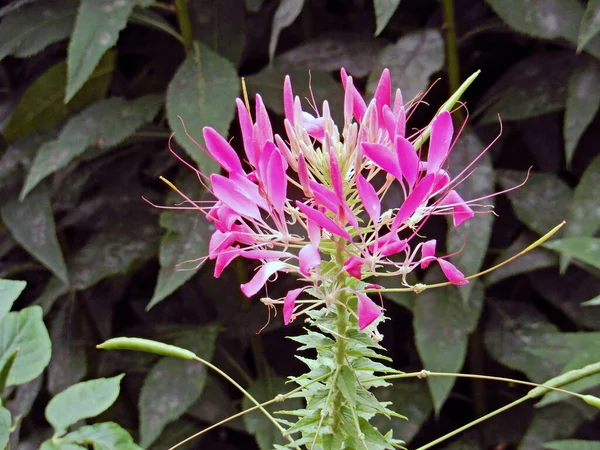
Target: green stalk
column 185, row 24
column 451, row 45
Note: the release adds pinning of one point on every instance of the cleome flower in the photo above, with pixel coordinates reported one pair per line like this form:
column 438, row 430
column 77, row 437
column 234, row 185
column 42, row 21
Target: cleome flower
column 310, row 203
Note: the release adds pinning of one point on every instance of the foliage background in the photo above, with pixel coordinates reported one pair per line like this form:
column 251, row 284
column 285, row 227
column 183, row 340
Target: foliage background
column 91, row 91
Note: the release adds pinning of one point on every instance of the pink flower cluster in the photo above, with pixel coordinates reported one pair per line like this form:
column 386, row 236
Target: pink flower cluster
column 340, row 177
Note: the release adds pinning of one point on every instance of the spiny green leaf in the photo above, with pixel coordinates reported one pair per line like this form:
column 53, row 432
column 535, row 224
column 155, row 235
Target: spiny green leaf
column 583, row 101
column 39, row 236
column 590, row 24
column 30, row 29
column 286, row 13
column 9, row 292
column 202, row 93
column 586, row 249
column 105, row 124
column 41, row 107
column 82, row 400
column 96, row 30
column 102, row 436
column 384, row 10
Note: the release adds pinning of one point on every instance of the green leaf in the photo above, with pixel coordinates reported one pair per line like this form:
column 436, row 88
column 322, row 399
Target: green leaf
column 215, row 405
column 583, row 358
column 583, row 101
column 25, row 331
column 185, row 239
column 81, row 401
column 593, row 302
column 477, row 231
column 39, row 236
column 51, row 445
column 256, row 423
column 442, row 324
column 384, row 10
column 534, row 86
column 573, row 444
column 41, row 107
column 6, row 368
column 590, row 24
column 542, row 203
column 9, row 292
column 105, row 124
column 347, row 383
column 202, row 93
column 68, row 364
column 96, row 30
column 5, row 426
column 30, row 29
column 102, row 436
column 286, row 13
column 412, row 60
column 586, row 249
column 177, row 432
column 172, row 386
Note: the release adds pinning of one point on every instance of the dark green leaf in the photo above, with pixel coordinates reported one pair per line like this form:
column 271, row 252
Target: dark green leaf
column 534, row 86
column 202, row 93
column 542, row 203
column 30, row 29
column 573, row 444
column 25, row 331
column 39, row 236
column 105, row 124
column 287, row 12
column 590, row 24
column 215, row 405
column 51, row 445
column 82, row 400
column 442, row 324
column 41, row 107
column 177, row 432
column 412, row 61
column 6, row 368
column 96, row 30
column 68, row 364
column 172, row 386
column 102, row 436
column 9, row 292
column 583, row 101
column 5, row 425
column 586, row 249
column 347, row 383
column 384, row 10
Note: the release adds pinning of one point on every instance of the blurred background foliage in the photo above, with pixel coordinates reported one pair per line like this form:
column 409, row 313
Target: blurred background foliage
column 91, row 91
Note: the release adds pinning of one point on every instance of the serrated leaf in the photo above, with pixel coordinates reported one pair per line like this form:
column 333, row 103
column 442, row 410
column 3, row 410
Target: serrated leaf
column 590, row 24
column 542, row 203
column 172, row 386
column 583, row 101
column 256, row 423
column 102, row 436
column 286, row 13
column 68, row 364
column 583, row 358
column 96, row 30
column 186, row 239
column 586, row 249
column 9, row 292
column 32, row 28
column 105, row 124
column 384, row 10
column 476, row 231
column 81, row 401
column 534, row 86
column 442, row 323
column 202, row 93
column 25, row 331
column 39, row 236
column 572, row 444
column 412, row 60
column 41, row 107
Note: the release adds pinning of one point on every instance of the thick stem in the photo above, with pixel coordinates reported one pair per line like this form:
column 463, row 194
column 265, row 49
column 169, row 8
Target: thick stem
column 185, row 24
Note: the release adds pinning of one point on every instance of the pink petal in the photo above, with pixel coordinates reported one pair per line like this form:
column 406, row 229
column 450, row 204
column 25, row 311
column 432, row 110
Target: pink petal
column 439, row 142
column 388, row 244
column 383, row 157
column 325, row 197
column 224, row 259
column 323, row 221
column 453, row 275
column 314, row 126
column 288, row 99
column 246, row 128
column 416, row 198
column 460, row 210
column 314, row 232
column 368, row 197
column 407, row 159
column 289, row 302
column 336, row 176
column 261, row 277
column 285, row 151
column 367, row 311
column 309, row 258
column 228, row 192
column 276, row 182
column 383, row 92
column 265, row 132
column 223, row 153
column 358, row 104
column 427, row 253
column 441, row 180
column 304, row 176
column 388, row 121
column 218, row 242
column 264, row 254
column 249, row 190
column 353, row 266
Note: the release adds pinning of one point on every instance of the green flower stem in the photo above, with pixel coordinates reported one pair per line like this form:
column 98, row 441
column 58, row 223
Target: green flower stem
column 185, row 25
column 451, row 45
